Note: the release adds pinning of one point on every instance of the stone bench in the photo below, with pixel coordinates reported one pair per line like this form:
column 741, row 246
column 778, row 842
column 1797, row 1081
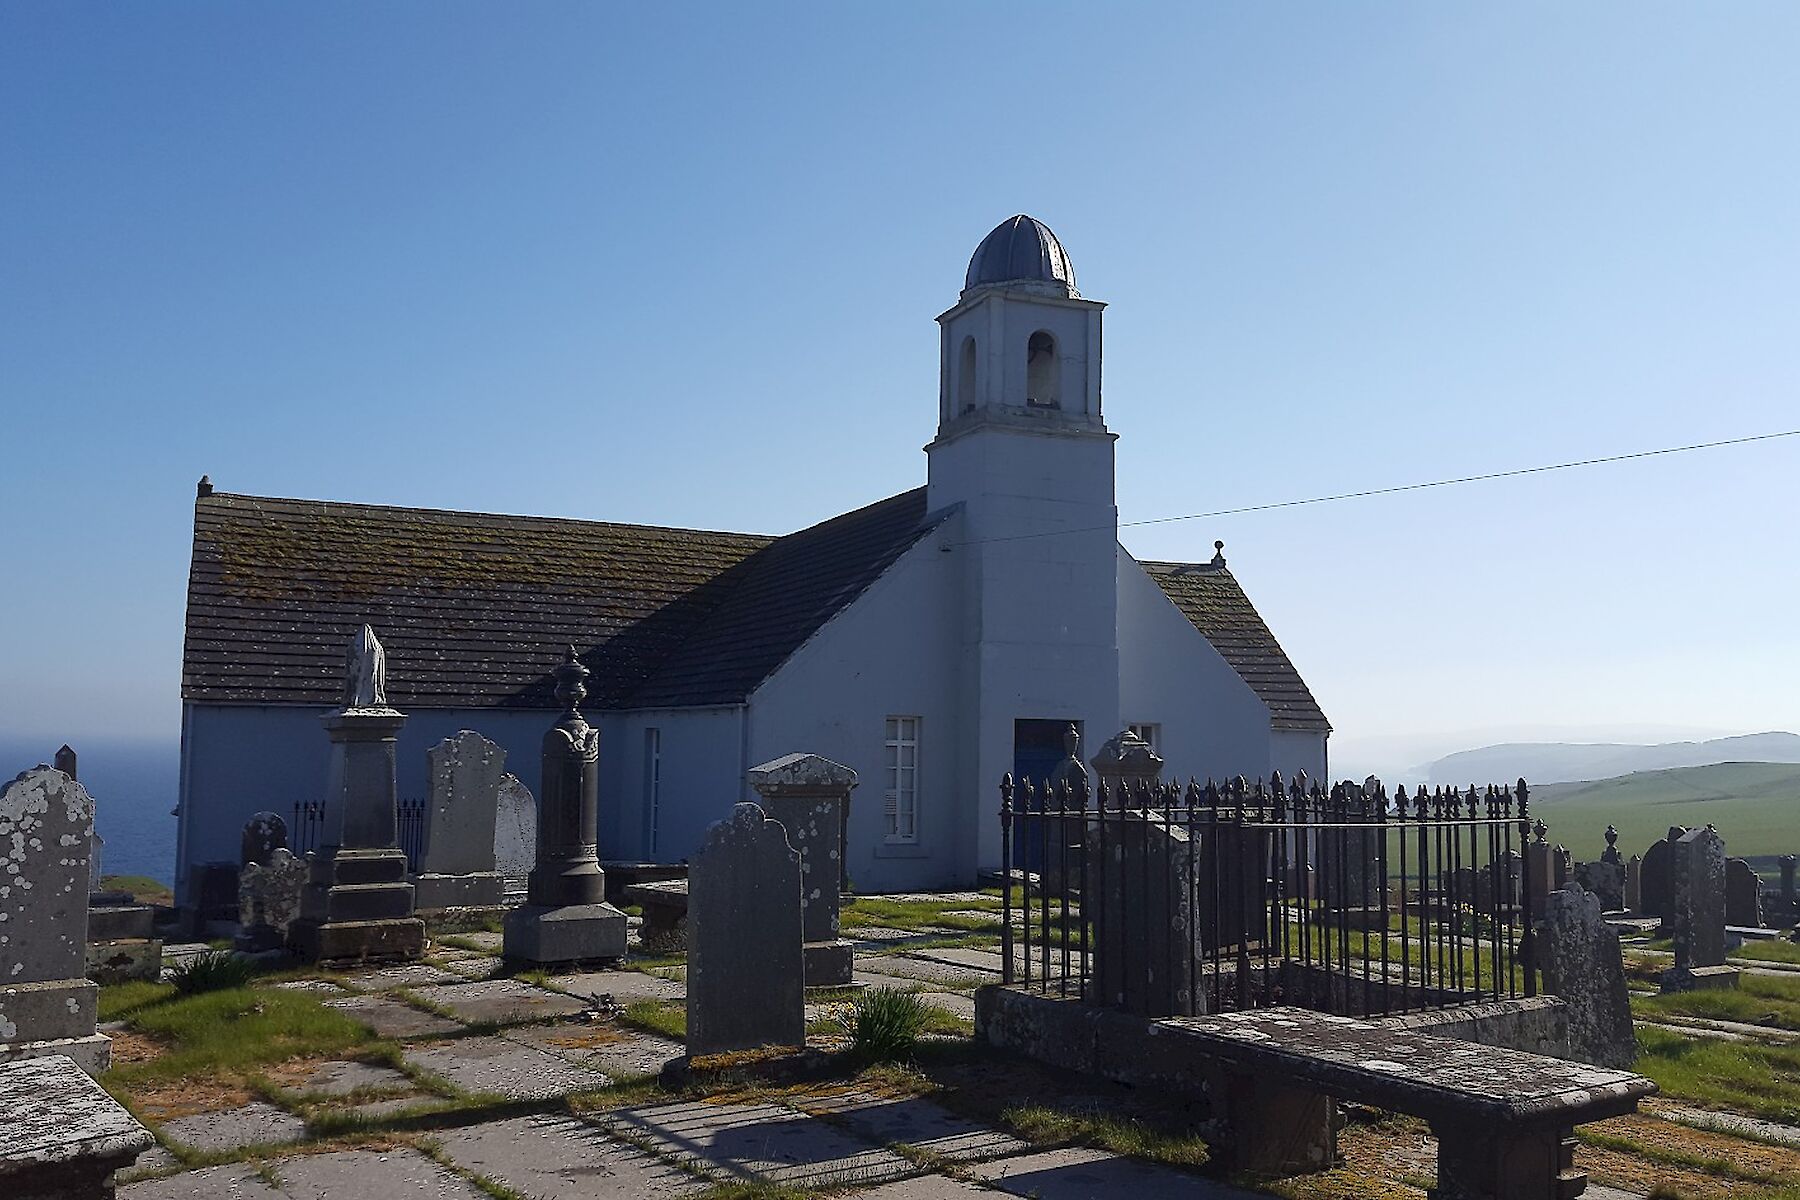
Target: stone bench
column 61, row 1136
column 1504, row 1119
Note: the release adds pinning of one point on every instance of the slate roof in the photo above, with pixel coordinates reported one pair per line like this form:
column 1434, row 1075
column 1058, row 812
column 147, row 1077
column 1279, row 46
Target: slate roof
column 1210, row 598
column 476, row 608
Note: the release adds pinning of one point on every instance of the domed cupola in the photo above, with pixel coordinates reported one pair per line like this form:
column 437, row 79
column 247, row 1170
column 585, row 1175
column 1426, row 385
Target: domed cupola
column 1021, row 252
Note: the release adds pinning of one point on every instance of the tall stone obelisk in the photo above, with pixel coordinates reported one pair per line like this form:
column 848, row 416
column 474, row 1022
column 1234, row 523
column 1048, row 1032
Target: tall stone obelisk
column 358, row 905
column 565, row 918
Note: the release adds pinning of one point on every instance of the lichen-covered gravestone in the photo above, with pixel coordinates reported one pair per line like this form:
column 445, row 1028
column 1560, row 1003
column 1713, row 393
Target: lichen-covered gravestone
column 1698, row 915
column 746, row 979
column 810, row 796
column 457, row 869
column 264, row 833
column 1656, row 881
column 46, row 1005
column 269, row 901
column 515, row 833
column 1743, row 895
column 1580, row 957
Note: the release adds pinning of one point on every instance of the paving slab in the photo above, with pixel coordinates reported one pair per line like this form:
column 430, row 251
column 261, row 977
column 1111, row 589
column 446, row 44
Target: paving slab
column 986, row 961
column 255, row 1124
column 1724, row 1122
column 553, row 1157
column 894, row 966
column 501, row 1001
column 234, row 1181
column 323, row 987
column 935, row 897
column 625, row 987
column 343, row 1078
column 389, row 1174
column 486, row 940
column 954, row 1003
column 760, row 1141
column 502, row 1067
column 603, row 1047
column 879, row 933
column 1080, row 1174
column 476, row 966
column 915, row 1121
column 411, row 975
column 927, row 1187
column 393, row 1018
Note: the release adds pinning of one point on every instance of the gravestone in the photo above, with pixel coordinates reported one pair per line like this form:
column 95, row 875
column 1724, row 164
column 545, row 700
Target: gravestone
column 1790, row 900
column 1562, row 868
column 746, row 974
column 357, row 905
column 1580, row 957
column 269, row 901
column 565, row 918
column 1634, row 878
column 457, row 869
column 1148, row 954
column 264, row 834
column 1743, row 895
column 515, row 834
column 1538, row 869
column 1657, row 883
column 1606, row 880
column 810, row 797
column 1126, row 758
column 47, row 1006
column 1698, row 914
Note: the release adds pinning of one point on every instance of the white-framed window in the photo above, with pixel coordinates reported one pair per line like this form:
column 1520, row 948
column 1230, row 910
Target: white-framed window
column 901, row 776
column 1150, row 733
column 652, row 787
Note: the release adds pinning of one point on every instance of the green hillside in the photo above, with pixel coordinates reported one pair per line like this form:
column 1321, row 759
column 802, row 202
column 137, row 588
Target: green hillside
column 1756, row 806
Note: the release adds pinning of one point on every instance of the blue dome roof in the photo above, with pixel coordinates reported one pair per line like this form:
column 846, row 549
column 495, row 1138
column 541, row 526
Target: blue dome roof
column 1021, row 249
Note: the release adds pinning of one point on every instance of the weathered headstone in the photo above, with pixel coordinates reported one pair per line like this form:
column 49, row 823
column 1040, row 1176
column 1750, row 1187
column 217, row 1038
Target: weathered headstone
column 1538, row 868
column 1698, row 915
column 1634, row 878
column 358, row 905
column 565, row 918
column 1606, row 880
column 47, row 1006
column 1580, row 957
column 264, row 833
column 1345, row 858
column 810, row 797
column 1562, row 868
column 457, row 869
column 746, row 974
column 1149, row 957
column 1743, row 895
column 269, row 901
column 1790, row 898
column 1657, row 881
column 515, row 833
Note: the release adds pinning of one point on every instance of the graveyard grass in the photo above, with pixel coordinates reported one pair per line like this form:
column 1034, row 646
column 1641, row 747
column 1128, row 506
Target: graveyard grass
column 1757, row 1000
column 227, row 1033
column 1746, row 1077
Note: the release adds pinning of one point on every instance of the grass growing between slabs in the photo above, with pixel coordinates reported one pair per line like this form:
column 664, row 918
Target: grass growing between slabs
column 1757, row 1000
column 861, row 911
column 229, row 1032
column 1745, row 1077
column 1771, row 950
column 1041, row 1123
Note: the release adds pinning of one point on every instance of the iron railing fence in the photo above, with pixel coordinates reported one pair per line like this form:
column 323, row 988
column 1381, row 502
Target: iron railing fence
column 308, row 826
column 410, row 818
column 1167, row 899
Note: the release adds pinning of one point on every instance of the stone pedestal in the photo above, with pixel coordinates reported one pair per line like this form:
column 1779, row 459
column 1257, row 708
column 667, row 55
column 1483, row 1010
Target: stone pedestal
column 482, row 889
column 810, row 797
column 566, row 919
column 357, row 905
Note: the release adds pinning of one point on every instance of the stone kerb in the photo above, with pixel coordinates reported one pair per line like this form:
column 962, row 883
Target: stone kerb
column 1582, row 963
column 464, row 775
column 46, row 1004
column 746, row 974
column 810, row 796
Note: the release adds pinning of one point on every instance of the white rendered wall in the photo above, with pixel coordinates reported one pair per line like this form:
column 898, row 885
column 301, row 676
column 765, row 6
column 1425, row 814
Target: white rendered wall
column 1294, row 750
column 1212, row 723
column 702, row 768
column 893, row 652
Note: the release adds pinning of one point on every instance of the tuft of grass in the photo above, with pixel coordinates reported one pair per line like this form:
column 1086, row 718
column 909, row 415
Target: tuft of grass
column 916, row 914
column 1038, row 1123
column 1745, row 1077
column 213, row 971
column 665, row 1017
column 884, row 1024
column 120, row 1000
column 237, row 1030
column 1773, row 950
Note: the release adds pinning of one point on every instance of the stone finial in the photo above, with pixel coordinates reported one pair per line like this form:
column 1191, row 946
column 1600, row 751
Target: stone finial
column 1125, row 755
column 365, row 671
column 571, row 685
column 204, row 488
column 1611, row 853
column 1218, row 558
column 65, row 761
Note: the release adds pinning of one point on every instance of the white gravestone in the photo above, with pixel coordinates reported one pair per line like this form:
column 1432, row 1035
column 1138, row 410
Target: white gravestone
column 515, row 832
column 457, row 868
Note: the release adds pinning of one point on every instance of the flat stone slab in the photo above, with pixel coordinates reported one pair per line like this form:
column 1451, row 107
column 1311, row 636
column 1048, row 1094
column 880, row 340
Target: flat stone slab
column 1724, row 1122
column 476, row 966
column 498, row 1066
column 408, row 975
column 393, row 1018
column 255, row 1124
column 758, row 1141
column 988, row 962
column 1082, row 1174
column 926, row 1187
column 344, row 1078
column 502, row 1001
column 389, row 1174
column 552, row 1157
column 918, row 1122
column 893, row 966
column 600, row 1046
column 233, row 1181
column 484, row 940
column 936, row 897
column 879, row 933
column 51, row 1111
column 954, row 1003
column 625, row 987
column 323, row 987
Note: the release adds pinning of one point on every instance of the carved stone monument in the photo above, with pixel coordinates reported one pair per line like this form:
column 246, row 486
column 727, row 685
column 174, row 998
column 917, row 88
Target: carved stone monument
column 565, row 918
column 810, row 796
column 264, row 833
column 47, row 1006
column 269, row 901
column 1743, row 895
column 1699, row 914
column 515, row 834
column 457, row 869
column 1581, row 961
column 1790, row 898
column 746, row 978
column 358, row 906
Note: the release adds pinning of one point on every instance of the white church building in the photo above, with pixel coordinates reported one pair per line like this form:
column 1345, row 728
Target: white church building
column 933, row 641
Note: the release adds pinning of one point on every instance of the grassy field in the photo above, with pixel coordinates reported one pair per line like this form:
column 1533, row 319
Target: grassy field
column 1756, row 806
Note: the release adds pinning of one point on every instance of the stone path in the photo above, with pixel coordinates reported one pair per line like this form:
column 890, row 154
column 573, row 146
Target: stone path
column 560, row 1158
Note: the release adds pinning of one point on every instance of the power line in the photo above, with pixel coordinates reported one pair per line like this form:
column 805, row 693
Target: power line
column 1407, row 487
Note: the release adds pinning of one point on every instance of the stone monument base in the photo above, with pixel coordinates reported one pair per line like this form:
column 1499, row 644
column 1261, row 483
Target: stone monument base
column 259, row 939
column 828, row 964
column 357, row 907
column 92, row 1053
column 114, row 922
column 568, row 934
column 485, row 889
column 1694, row 979
column 125, row 959
column 388, row 939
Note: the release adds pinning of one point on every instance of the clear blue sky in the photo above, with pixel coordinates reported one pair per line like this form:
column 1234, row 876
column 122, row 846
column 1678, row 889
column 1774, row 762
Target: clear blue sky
column 679, row 265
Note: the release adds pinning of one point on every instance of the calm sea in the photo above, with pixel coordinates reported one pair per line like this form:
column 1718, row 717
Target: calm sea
column 134, row 786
